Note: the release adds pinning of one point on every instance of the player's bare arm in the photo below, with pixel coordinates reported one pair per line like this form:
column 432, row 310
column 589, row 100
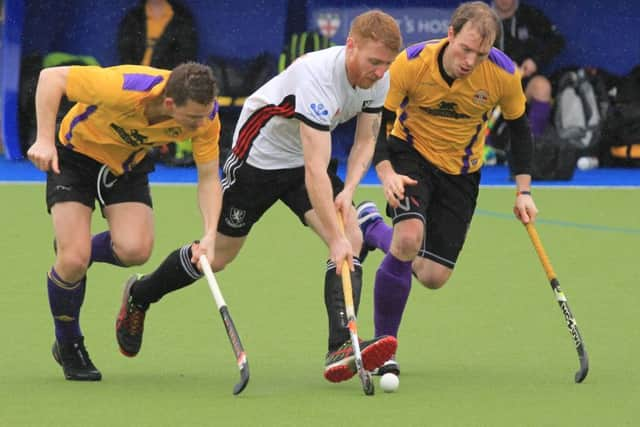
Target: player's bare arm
column 367, row 128
column 209, row 201
column 524, row 208
column 51, row 87
column 316, row 147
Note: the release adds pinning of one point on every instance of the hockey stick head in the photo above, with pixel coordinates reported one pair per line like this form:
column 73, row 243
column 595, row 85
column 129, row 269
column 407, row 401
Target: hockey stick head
column 584, row 365
column 238, row 350
column 367, row 383
column 244, row 376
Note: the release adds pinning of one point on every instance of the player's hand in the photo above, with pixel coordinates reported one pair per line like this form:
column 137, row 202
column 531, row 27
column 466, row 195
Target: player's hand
column 343, row 203
column 340, row 250
column 525, row 209
column 44, row 155
column 393, row 185
column 206, row 247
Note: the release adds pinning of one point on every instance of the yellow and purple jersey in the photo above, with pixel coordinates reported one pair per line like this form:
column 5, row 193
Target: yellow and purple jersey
column 108, row 123
column 447, row 124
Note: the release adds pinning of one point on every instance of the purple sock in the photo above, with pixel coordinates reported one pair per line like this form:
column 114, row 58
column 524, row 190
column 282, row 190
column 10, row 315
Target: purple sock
column 539, row 113
column 65, row 300
column 390, row 295
column 379, row 236
column 102, row 249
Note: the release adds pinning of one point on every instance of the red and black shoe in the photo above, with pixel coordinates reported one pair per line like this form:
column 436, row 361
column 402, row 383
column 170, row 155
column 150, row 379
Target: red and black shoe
column 130, row 322
column 340, row 365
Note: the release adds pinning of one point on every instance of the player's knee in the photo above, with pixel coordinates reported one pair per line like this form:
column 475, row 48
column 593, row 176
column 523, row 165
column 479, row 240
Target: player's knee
column 432, row 278
column 134, row 253
column 407, row 244
column 73, row 265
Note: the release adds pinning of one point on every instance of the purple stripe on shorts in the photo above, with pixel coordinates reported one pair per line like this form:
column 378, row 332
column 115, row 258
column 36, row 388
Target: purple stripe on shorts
column 79, row 118
column 140, row 82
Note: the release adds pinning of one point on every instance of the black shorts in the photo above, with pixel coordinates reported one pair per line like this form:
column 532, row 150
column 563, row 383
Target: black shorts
column 249, row 192
column 83, row 179
column 444, row 203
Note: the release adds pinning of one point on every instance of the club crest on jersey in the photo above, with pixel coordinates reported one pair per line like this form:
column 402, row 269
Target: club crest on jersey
column 481, row 97
column 328, row 24
column 236, row 217
column 173, row 132
column 319, row 110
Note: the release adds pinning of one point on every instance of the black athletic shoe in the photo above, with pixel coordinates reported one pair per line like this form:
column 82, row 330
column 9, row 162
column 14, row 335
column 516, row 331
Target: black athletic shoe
column 130, row 322
column 75, row 361
column 390, row 366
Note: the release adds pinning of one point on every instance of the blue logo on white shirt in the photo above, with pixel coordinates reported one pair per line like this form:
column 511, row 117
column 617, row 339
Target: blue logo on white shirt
column 319, row 110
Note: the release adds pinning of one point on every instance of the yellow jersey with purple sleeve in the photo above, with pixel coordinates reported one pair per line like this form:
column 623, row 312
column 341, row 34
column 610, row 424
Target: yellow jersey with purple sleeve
column 447, row 124
column 108, row 123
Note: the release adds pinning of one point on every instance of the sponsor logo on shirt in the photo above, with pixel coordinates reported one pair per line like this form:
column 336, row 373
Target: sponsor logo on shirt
column 445, row 109
column 132, row 137
column 319, row 110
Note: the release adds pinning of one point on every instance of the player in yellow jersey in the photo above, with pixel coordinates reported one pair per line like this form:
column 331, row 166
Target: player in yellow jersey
column 100, row 154
column 441, row 95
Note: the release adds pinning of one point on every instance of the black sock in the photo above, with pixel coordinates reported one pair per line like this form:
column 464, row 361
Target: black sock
column 334, row 302
column 175, row 272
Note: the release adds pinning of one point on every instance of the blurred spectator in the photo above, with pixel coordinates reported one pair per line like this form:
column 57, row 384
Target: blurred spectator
column 158, row 33
column 532, row 41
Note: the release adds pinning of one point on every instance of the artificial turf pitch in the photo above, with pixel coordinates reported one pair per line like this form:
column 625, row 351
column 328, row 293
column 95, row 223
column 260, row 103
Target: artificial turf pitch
column 489, row 349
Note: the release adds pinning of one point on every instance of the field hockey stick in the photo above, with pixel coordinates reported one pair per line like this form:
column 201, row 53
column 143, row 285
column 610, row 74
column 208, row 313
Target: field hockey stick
column 232, row 332
column 581, row 374
column 365, row 376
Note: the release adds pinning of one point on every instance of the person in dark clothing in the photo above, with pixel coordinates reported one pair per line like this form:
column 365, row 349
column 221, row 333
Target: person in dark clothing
column 158, row 33
column 532, row 41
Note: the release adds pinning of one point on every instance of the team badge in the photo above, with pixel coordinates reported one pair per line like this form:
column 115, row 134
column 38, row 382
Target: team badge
column 328, row 23
column 236, row 217
column 481, row 97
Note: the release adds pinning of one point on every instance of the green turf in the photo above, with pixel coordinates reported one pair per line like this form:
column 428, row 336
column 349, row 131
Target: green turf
column 489, row 349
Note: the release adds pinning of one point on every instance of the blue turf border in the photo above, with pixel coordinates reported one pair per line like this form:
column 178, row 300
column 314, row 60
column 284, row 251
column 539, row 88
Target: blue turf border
column 24, row 171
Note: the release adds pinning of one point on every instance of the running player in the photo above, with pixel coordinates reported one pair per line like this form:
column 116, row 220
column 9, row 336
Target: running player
column 442, row 92
column 281, row 151
column 100, row 154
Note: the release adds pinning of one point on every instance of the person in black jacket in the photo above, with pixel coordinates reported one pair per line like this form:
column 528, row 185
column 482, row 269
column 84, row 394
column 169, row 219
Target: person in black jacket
column 532, row 41
column 159, row 33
